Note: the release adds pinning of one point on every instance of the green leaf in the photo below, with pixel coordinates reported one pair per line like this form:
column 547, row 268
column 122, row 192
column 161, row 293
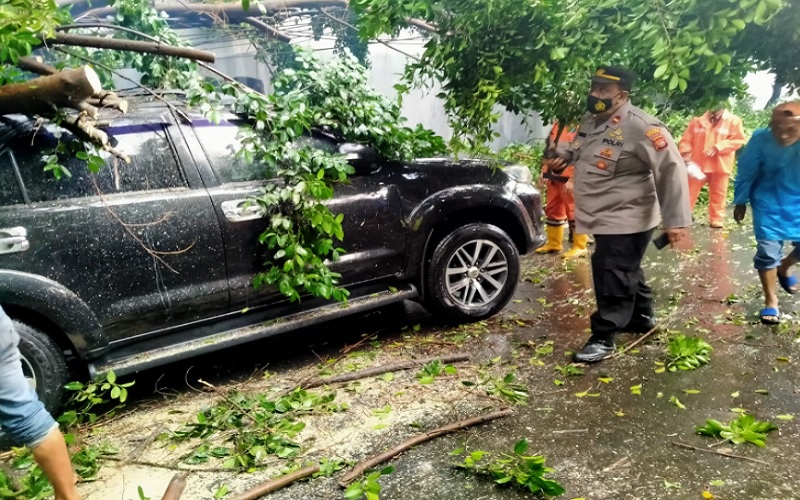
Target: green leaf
column 521, row 447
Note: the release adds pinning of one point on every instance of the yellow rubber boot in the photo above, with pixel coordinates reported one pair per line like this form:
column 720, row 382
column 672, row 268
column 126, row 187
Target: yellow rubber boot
column 579, row 242
column 555, row 240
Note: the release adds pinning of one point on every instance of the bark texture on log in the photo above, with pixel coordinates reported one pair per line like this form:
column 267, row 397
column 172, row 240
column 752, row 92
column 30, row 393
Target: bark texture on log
column 44, row 95
column 176, row 487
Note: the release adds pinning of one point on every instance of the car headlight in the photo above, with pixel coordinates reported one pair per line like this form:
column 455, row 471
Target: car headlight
column 519, row 173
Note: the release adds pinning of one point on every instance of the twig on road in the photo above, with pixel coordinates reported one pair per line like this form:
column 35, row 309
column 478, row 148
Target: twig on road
column 409, row 443
column 277, row 483
column 380, row 370
column 718, row 452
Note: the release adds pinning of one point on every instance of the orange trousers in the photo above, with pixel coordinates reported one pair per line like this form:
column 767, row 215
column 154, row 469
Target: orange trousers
column 717, row 195
column 560, row 205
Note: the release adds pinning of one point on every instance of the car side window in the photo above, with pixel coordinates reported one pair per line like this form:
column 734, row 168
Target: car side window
column 10, row 193
column 220, row 143
column 153, row 164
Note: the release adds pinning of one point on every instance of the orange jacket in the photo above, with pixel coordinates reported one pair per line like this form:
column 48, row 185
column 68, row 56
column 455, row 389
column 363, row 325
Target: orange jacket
column 567, row 136
column 727, row 135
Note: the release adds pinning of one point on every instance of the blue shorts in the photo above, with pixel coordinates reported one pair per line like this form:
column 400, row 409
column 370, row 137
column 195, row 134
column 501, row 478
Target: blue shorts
column 769, row 254
column 22, row 415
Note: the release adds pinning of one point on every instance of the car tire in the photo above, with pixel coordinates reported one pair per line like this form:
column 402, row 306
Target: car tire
column 472, row 273
column 44, row 364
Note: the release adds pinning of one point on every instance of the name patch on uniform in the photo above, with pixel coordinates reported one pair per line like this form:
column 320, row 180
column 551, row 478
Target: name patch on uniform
column 611, row 142
column 657, row 136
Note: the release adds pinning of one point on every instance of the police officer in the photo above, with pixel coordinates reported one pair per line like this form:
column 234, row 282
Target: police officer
column 627, row 166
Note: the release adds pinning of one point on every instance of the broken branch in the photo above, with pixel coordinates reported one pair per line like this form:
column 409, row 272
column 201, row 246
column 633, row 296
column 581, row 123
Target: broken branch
column 46, row 94
column 277, row 483
column 409, row 443
column 380, row 370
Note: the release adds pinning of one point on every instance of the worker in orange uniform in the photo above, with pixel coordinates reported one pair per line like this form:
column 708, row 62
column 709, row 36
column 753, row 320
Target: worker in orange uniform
column 710, row 143
column 560, row 208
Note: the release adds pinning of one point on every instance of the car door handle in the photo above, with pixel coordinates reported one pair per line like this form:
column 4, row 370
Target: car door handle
column 242, row 210
column 14, row 240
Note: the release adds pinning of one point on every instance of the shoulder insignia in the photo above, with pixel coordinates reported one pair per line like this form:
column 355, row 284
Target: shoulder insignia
column 657, row 136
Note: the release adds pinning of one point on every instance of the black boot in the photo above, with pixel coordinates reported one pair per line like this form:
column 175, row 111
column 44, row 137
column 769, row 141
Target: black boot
column 598, row 348
column 641, row 323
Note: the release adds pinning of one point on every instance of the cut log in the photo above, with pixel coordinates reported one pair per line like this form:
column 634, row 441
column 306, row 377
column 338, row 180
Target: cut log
column 44, row 95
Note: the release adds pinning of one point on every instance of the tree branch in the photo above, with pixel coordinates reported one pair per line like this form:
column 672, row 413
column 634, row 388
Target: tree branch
column 277, row 483
column 233, row 12
column 130, row 46
column 269, row 30
column 409, row 443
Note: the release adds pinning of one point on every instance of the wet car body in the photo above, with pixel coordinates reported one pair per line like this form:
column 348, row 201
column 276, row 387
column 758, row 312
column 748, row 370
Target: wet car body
column 154, row 261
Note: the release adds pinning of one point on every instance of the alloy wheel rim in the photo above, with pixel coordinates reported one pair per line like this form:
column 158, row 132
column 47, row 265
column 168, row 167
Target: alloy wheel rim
column 476, row 273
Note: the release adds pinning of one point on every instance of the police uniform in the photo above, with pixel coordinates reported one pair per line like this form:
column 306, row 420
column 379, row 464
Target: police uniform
column 626, row 168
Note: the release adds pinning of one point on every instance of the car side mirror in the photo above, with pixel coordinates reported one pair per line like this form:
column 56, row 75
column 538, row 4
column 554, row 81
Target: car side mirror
column 362, row 157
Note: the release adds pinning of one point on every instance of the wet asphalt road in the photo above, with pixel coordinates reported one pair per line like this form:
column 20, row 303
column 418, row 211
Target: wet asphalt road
column 604, row 441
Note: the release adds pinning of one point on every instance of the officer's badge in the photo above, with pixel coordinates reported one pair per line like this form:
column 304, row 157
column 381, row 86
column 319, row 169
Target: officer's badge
column 616, row 134
column 616, row 119
column 657, row 136
column 607, row 153
column 600, row 106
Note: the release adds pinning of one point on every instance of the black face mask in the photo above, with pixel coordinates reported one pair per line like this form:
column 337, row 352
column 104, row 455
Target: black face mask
column 596, row 105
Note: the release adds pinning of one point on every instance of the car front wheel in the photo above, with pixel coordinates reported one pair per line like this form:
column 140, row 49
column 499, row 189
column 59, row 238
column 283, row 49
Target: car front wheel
column 473, row 273
column 43, row 365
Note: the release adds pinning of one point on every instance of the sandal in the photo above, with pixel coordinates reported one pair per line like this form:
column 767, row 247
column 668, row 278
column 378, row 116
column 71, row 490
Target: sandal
column 789, row 283
column 770, row 316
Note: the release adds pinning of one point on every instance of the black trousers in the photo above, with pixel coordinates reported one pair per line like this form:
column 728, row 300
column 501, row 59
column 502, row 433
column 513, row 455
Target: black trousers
column 619, row 285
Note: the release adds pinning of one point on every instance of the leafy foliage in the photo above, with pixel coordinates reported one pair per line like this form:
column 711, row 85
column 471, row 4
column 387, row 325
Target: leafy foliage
column 87, row 397
column 434, row 369
column 369, row 488
column 688, row 353
column 332, row 98
column 507, row 389
column 539, row 55
column 743, row 429
column 524, row 471
column 251, row 428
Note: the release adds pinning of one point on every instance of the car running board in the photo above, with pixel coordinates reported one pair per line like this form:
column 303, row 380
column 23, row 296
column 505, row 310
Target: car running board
column 230, row 338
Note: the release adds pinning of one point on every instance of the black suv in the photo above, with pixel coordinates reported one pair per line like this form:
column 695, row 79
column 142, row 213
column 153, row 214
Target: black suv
column 148, row 262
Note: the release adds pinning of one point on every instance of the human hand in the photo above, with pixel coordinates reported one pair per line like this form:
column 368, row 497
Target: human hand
column 569, row 187
column 712, row 151
column 676, row 235
column 739, row 211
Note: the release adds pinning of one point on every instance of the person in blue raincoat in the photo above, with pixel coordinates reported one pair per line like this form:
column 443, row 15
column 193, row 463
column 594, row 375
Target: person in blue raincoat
column 768, row 178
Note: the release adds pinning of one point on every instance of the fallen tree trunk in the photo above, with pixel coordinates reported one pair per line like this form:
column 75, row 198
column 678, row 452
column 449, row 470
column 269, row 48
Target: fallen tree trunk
column 44, row 95
column 102, row 99
column 130, row 46
column 277, row 483
column 409, row 443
